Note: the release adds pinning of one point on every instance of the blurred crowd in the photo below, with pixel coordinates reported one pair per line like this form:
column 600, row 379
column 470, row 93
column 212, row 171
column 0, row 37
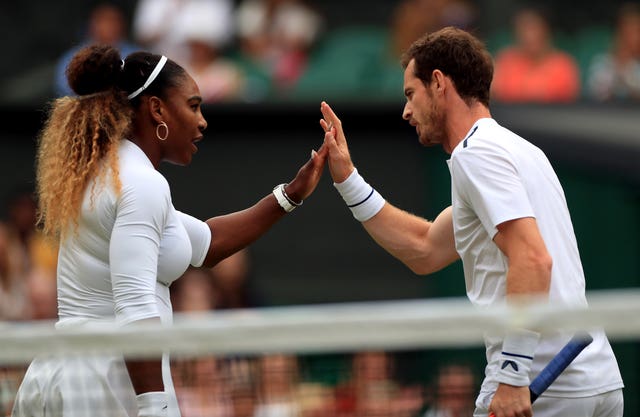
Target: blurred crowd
column 243, row 51
column 259, row 50
column 534, row 69
column 279, row 385
column 27, row 262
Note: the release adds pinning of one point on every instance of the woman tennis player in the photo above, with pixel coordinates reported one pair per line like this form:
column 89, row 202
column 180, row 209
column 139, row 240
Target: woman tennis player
column 122, row 242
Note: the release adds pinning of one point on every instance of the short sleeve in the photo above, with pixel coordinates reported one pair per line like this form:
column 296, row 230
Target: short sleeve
column 199, row 235
column 488, row 182
column 142, row 211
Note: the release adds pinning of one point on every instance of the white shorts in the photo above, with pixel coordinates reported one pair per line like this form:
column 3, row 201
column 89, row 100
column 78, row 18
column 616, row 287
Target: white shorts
column 608, row 404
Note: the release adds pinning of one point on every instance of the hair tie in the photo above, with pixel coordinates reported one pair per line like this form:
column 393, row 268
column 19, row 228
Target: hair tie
column 152, row 77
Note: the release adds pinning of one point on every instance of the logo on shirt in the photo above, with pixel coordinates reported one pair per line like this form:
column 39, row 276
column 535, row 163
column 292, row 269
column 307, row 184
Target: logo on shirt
column 512, row 363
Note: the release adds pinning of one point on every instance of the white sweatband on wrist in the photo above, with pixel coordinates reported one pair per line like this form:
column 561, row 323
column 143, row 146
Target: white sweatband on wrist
column 518, row 349
column 361, row 198
column 283, row 199
column 152, row 404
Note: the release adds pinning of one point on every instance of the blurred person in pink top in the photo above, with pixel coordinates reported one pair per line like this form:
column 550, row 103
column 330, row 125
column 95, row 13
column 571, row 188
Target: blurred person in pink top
column 533, row 70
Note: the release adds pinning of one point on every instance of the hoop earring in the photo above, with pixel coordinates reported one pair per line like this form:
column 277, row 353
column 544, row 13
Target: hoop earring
column 166, row 135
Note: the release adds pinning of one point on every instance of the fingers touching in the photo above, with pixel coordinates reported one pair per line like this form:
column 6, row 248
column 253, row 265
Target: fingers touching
column 319, row 157
column 340, row 164
column 330, row 122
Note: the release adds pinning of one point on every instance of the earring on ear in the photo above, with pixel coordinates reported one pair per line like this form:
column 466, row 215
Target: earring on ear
column 166, row 135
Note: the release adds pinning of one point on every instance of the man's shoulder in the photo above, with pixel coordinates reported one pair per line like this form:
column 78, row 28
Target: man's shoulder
column 483, row 136
column 490, row 143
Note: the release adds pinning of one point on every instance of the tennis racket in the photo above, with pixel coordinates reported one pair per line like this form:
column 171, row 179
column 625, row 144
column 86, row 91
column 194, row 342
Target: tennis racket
column 558, row 364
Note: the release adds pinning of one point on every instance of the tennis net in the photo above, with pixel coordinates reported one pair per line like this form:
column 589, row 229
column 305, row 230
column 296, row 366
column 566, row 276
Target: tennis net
column 315, row 360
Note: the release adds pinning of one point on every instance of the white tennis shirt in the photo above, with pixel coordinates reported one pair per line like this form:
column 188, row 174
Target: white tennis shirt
column 498, row 176
column 127, row 250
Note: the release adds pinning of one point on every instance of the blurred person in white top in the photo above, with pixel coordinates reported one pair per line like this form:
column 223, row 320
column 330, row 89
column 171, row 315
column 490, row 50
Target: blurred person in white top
column 615, row 75
column 277, row 36
column 165, row 26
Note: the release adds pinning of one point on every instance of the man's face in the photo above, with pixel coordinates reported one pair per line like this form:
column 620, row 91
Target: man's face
column 422, row 109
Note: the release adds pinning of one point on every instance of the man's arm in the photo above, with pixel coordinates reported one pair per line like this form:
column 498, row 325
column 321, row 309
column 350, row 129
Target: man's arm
column 528, row 275
column 423, row 246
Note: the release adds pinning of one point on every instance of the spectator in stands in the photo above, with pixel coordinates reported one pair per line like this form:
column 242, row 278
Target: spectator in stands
column 165, row 26
column 231, row 277
column 201, row 383
column 222, row 287
column 202, row 387
column 275, row 37
column 195, row 291
column 106, row 25
column 372, row 389
column 316, row 400
column 219, row 78
column 413, row 18
column 205, row 386
column 27, row 262
column 196, row 33
column 277, row 386
column 453, row 392
column 27, row 278
column 615, row 75
column 42, row 293
column 533, row 70
column 241, row 376
column 13, row 293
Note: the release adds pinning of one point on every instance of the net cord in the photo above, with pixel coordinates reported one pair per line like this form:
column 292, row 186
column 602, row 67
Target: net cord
column 328, row 328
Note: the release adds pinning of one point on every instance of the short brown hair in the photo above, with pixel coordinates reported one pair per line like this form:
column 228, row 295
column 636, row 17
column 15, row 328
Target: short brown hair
column 459, row 55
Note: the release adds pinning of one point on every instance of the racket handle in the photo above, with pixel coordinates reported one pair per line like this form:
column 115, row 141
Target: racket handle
column 558, row 364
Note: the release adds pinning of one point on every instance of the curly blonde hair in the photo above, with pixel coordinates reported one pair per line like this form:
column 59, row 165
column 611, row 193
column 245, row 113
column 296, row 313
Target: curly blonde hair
column 78, row 143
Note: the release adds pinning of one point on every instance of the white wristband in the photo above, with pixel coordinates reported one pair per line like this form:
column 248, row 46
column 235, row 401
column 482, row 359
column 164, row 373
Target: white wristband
column 152, row 404
column 283, row 199
column 361, row 198
column 518, row 349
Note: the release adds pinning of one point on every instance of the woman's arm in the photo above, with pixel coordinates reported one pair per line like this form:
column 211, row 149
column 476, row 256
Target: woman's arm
column 234, row 231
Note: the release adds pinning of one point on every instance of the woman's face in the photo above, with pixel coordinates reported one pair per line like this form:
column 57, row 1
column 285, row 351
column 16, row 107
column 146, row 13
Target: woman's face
column 185, row 122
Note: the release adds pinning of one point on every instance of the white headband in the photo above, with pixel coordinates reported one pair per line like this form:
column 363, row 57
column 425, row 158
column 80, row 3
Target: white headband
column 152, row 77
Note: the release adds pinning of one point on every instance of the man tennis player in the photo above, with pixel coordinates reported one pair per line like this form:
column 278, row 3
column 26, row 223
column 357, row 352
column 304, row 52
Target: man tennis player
column 508, row 222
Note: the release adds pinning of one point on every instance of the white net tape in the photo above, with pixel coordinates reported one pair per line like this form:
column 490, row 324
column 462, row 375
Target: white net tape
column 323, row 328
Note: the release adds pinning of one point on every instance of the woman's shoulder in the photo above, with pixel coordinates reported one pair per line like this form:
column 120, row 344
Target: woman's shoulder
column 145, row 182
column 137, row 174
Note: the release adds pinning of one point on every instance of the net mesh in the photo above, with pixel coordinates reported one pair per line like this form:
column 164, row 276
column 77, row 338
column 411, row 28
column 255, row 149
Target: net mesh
column 402, row 358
